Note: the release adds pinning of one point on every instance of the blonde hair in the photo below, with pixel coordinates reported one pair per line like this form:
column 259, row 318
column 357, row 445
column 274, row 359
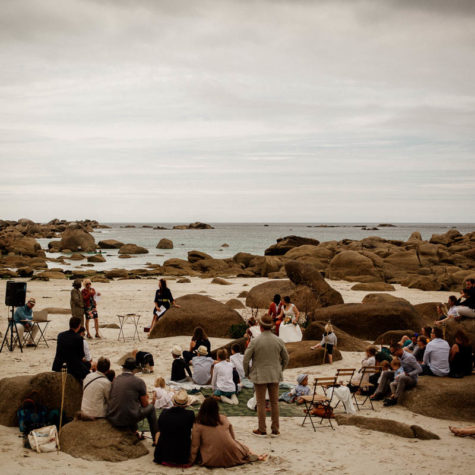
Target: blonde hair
column 86, row 281
column 396, row 362
column 328, row 328
column 159, row 382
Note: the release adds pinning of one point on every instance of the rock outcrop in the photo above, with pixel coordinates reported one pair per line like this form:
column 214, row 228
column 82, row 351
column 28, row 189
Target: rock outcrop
column 132, row 249
column 345, row 342
column 110, row 244
column 75, row 238
column 165, row 243
column 300, row 354
column 287, row 243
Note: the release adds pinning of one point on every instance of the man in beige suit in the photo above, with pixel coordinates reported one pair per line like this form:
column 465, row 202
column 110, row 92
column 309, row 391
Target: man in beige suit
column 269, row 358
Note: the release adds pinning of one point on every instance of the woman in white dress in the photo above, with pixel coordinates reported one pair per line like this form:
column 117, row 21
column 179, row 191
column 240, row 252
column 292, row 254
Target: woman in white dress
column 289, row 330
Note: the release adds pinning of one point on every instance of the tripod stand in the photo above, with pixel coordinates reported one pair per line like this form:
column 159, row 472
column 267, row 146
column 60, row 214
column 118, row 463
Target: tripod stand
column 11, row 335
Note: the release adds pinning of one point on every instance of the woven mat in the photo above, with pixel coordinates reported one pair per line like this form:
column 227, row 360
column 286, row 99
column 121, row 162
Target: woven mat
column 286, row 410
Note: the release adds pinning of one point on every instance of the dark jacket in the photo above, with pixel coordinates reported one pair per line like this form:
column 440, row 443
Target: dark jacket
column 70, row 350
column 174, row 443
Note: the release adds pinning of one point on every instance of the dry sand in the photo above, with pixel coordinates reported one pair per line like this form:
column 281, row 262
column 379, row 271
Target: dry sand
column 298, row 450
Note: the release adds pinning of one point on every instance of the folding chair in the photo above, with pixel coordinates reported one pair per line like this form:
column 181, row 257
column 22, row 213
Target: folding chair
column 324, row 400
column 343, row 376
column 365, row 386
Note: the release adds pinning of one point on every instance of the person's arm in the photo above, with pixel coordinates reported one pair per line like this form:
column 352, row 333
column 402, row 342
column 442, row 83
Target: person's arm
column 426, row 359
column 231, row 430
column 214, row 377
column 187, row 369
column 195, row 442
column 453, row 351
column 297, row 315
column 284, row 357
column 192, row 345
column 144, row 400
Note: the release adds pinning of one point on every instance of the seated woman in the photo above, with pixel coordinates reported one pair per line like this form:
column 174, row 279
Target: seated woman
column 466, row 308
column 198, row 339
column 420, row 348
column 289, row 330
column 274, row 312
column 329, row 340
column 370, row 360
column 445, row 312
column 460, row 357
column 213, row 442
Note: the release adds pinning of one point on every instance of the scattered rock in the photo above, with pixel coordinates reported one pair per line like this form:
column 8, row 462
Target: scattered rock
column 96, row 258
column 219, row 281
column 195, row 256
column 51, row 275
column 108, row 325
column 374, row 287
column 225, row 245
column 116, row 274
column 165, row 244
column 392, row 336
column 235, row 304
column 196, row 225
column 184, row 280
column 110, row 244
column 345, row 342
column 76, row 239
column 386, row 425
column 300, row 354
column 99, row 440
column 132, row 249
column 377, row 299
column 287, row 243
column 243, row 294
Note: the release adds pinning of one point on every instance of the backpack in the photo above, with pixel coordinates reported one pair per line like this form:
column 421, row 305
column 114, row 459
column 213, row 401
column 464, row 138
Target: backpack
column 31, row 416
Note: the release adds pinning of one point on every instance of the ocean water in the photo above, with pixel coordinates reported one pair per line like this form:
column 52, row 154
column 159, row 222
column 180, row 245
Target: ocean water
column 241, row 237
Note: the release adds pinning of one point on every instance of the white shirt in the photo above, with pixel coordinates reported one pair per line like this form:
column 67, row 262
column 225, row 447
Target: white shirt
column 202, row 369
column 87, row 353
column 236, row 361
column 163, row 399
column 436, row 356
column 223, row 377
column 95, row 396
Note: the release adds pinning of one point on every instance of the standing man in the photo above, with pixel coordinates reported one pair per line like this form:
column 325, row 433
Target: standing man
column 128, row 402
column 23, row 317
column 77, row 302
column 269, row 358
column 70, row 350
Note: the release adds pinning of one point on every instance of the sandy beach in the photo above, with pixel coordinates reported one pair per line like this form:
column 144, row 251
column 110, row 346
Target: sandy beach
column 299, row 450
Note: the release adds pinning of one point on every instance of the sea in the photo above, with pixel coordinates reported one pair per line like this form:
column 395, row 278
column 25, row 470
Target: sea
column 253, row 238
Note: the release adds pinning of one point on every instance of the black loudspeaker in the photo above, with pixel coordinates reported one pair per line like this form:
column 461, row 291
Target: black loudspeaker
column 16, row 294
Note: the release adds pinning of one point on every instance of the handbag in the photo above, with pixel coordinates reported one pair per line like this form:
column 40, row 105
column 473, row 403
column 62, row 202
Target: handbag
column 44, row 439
column 322, row 410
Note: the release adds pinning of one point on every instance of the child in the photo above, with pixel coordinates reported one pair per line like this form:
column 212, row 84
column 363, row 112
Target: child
column 300, row 390
column 253, row 330
column 222, row 381
column 179, row 366
column 397, row 368
column 161, row 397
column 237, row 359
column 144, row 361
column 329, row 340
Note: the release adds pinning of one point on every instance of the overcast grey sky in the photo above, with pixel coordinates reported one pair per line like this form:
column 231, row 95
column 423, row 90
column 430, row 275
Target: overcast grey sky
column 150, row 110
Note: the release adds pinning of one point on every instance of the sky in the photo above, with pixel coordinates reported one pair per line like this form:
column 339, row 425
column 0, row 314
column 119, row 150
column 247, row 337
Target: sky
column 237, row 111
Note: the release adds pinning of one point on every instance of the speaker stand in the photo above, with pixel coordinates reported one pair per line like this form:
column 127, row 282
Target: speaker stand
column 11, row 335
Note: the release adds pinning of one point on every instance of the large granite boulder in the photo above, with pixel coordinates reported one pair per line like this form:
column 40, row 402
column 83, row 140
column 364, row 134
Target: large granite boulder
column 261, row 295
column 427, row 312
column 382, row 298
column 309, row 276
column 240, row 341
column 374, row 287
column 287, row 243
column 196, row 310
column 393, row 336
column 442, row 398
column 110, row 244
column 50, row 274
column 353, row 266
column 116, row 274
column 345, row 342
column 467, row 325
column 165, row 243
column 367, row 321
column 26, row 246
column 132, row 249
column 46, row 388
column 178, row 267
column 99, row 440
column 96, row 258
column 75, row 238
column 195, row 256
column 447, row 238
column 300, row 354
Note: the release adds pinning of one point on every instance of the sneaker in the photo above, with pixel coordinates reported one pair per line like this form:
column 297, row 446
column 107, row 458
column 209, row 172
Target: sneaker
column 259, row 433
column 275, row 433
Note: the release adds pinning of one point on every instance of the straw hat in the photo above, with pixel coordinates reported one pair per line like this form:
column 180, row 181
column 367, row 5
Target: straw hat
column 266, row 322
column 202, row 350
column 180, row 398
column 176, row 350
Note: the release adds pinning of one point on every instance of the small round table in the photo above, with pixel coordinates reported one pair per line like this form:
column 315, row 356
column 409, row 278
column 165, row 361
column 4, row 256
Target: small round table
column 135, row 321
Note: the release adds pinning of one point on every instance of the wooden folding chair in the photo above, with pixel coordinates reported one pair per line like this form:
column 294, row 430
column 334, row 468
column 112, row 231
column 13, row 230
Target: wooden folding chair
column 323, row 399
column 343, row 377
column 365, row 386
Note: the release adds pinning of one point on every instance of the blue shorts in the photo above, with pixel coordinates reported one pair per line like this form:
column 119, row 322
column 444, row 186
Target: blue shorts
column 223, row 393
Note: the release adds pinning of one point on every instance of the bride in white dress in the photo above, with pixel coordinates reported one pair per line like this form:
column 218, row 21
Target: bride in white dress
column 289, row 329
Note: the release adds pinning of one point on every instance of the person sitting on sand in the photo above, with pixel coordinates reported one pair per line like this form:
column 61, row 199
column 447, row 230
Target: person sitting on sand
column 173, row 441
column 406, row 381
column 128, row 402
column 460, row 358
column 144, row 361
column 274, row 312
column 179, row 367
column 198, row 339
column 90, row 306
column 96, row 389
column 463, row 431
column 223, row 384
column 329, row 341
column 420, row 348
column 295, row 395
column 436, row 356
column 161, row 397
column 213, row 443
column 202, row 366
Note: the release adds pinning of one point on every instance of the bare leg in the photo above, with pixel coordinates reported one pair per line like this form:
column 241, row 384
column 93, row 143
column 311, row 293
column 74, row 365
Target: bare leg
column 96, row 327
column 88, row 333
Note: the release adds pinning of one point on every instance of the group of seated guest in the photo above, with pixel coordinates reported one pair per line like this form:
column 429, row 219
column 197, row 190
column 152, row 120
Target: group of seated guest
column 464, row 307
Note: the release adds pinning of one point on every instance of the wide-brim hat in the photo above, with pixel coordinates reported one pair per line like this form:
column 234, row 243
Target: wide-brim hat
column 202, row 350
column 130, row 364
column 180, row 398
column 266, row 321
